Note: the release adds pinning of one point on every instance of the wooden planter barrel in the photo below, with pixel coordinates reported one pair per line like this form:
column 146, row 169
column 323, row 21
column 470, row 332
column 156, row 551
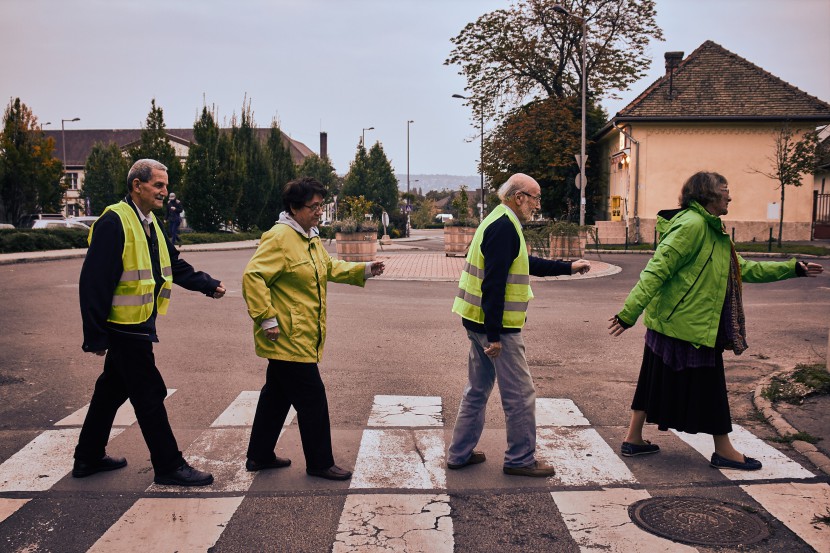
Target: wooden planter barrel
column 356, row 246
column 457, row 240
column 568, row 247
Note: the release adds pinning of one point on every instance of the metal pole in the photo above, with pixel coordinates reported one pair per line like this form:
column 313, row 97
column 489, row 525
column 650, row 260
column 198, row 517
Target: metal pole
column 408, row 207
column 582, row 159
column 481, row 160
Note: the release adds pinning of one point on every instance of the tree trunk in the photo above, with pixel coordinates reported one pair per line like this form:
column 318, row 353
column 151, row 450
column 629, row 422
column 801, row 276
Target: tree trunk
column 781, row 215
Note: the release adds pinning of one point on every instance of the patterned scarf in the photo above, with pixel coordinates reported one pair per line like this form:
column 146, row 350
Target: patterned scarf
column 735, row 324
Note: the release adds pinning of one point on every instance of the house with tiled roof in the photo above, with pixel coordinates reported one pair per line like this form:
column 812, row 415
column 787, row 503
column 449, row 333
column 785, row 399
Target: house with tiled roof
column 79, row 144
column 713, row 111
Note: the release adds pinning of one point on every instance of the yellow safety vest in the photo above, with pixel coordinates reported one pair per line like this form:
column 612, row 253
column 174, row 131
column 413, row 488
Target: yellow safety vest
column 132, row 301
column 517, row 293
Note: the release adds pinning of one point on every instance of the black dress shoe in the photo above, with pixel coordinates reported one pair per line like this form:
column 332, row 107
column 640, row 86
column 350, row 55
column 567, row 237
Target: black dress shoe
column 277, row 463
column 83, row 468
column 185, row 475
column 332, row 473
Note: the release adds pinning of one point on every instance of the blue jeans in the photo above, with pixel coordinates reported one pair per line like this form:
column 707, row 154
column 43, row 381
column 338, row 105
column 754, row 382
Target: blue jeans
column 518, row 399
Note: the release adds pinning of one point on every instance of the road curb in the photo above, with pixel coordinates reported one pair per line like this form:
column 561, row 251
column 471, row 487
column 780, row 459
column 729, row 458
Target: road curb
column 784, row 428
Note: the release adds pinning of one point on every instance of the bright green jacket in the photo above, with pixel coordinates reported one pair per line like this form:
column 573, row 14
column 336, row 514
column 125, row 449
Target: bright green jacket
column 286, row 278
column 683, row 286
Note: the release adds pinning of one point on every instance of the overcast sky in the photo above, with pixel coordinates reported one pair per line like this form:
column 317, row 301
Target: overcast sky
column 332, row 65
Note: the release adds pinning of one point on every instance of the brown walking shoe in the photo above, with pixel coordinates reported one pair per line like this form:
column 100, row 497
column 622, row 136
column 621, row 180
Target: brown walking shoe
column 475, row 458
column 537, row 470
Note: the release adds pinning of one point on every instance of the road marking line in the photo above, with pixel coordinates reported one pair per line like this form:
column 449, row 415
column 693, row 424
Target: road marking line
column 9, row 506
column 43, row 461
column 581, row 457
column 125, row 416
column 796, row 504
column 169, row 524
column 599, row 521
column 776, row 464
column 558, row 412
column 242, row 410
column 423, row 411
column 400, row 458
column 391, row 522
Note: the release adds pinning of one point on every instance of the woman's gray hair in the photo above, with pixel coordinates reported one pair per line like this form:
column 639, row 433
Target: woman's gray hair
column 702, row 187
column 510, row 187
column 143, row 170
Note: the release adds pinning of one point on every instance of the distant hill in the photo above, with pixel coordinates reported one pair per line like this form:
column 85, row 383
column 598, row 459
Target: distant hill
column 438, row 182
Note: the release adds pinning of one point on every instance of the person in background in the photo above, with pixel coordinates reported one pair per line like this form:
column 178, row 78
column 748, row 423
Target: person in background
column 691, row 292
column 125, row 282
column 284, row 286
column 174, row 216
column 493, row 295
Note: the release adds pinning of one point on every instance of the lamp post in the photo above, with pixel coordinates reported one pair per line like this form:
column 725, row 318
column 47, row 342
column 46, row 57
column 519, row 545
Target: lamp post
column 408, row 205
column 63, row 138
column 582, row 157
column 481, row 159
column 363, row 136
column 44, row 124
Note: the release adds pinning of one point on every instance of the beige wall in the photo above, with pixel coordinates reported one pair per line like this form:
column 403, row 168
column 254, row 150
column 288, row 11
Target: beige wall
column 670, row 153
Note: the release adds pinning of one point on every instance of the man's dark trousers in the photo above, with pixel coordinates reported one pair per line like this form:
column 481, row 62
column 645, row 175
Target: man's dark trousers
column 288, row 383
column 130, row 373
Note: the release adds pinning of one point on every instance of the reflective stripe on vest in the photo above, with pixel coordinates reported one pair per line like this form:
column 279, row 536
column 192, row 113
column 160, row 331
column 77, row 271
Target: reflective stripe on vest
column 517, row 293
column 132, row 300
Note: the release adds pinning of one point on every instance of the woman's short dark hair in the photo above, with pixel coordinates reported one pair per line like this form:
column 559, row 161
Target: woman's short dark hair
column 298, row 192
column 702, row 187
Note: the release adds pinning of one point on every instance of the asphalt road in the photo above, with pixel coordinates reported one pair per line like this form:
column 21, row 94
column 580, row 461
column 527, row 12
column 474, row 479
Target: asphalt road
column 391, row 338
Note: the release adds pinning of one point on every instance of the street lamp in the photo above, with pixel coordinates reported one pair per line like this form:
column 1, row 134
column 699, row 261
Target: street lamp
column 363, row 136
column 582, row 157
column 481, row 160
column 408, row 206
column 44, row 124
column 63, row 138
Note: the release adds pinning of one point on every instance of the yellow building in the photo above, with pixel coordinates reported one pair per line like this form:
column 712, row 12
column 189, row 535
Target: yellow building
column 712, row 111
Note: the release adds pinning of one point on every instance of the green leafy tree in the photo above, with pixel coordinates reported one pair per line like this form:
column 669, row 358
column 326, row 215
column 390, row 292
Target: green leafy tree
column 228, row 186
column 322, row 170
column 155, row 145
column 200, row 189
column 282, row 170
column 356, row 182
column 30, row 176
column 423, row 213
column 792, row 157
column 383, row 185
column 251, row 170
column 105, row 176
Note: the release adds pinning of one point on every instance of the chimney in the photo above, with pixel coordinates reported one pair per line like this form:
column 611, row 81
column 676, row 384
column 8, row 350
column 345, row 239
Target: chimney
column 324, row 145
column 673, row 59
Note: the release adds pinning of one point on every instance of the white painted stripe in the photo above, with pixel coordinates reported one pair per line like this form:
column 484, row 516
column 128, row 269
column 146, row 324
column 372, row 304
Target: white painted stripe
column 796, row 504
column 221, row 452
column 43, row 461
column 558, row 412
column 242, row 410
column 124, row 417
column 399, row 458
column 169, row 524
column 406, row 411
column 10, row 506
column 599, row 521
column 581, row 457
column 390, row 522
column 776, row 464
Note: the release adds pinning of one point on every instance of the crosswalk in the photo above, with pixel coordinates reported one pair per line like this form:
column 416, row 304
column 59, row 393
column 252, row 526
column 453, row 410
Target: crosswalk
column 399, row 498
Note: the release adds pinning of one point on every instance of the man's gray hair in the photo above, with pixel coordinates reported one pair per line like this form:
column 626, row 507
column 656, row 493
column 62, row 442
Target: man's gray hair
column 510, row 187
column 143, row 170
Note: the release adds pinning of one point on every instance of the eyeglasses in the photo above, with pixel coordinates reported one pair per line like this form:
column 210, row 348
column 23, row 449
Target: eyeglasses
column 315, row 207
column 538, row 198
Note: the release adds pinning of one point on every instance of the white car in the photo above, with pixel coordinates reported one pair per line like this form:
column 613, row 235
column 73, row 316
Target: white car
column 85, row 220
column 58, row 223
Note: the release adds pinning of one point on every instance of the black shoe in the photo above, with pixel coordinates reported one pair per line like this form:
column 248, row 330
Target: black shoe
column 631, row 450
column 332, row 473
column 83, row 468
column 475, row 458
column 720, row 462
column 277, row 463
column 185, row 475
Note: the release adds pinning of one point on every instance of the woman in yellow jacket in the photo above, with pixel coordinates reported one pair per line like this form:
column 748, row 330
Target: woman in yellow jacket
column 284, row 286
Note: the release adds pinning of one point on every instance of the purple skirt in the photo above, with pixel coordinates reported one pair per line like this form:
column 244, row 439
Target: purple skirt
column 691, row 400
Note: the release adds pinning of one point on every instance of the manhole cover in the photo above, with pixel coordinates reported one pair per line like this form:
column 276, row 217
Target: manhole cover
column 699, row 521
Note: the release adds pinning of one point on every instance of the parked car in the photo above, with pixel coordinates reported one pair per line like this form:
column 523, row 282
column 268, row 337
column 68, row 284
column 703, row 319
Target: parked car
column 28, row 220
column 61, row 223
column 6, row 226
column 86, row 220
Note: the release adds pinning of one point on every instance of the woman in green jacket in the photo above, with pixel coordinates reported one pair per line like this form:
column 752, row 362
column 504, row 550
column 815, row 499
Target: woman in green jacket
column 691, row 294
column 284, row 286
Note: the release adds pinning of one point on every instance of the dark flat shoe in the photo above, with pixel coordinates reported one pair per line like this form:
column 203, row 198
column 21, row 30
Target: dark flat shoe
column 277, row 463
column 720, row 462
column 332, row 473
column 185, row 475
column 632, row 450
column 82, row 469
column 475, row 458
